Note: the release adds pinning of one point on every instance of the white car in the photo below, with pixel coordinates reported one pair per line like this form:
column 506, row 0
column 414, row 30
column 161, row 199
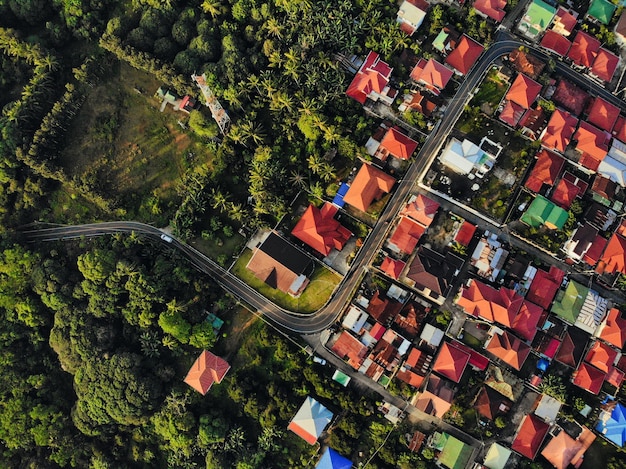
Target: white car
column 166, row 238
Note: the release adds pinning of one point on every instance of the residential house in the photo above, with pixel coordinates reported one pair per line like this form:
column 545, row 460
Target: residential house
column 570, row 97
column 525, row 63
column 451, row 362
column 447, row 40
column 436, row 398
column 406, row 236
column 497, row 457
column 580, row 241
column 537, row 19
column 452, row 452
column 620, row 29
column 420, row 208
column 393, row 143
column 601, row 11
column 281, row 265
column 432, row 75
column 414, row 368
column 411, row 15
column 593, row 144
column 524, row 91
column 588, row 377
column 420, row 102
column 530, row 435
column 547, row 408
column 392, row 267
column 467, row 158
column 554, row 42
column 499, row 306
column 493, row 9
column 604, row 65
column 350, row 349
column 465, row 233
column 463, row 57
column 489, row 257
column 563, row 451
column 612, row 424
column 310, row 420
column 545, row 172
column 432, row 273
column 572, row 347
column 581, row 306
column 383, row 309
column 567, row 190
column 602, row 356
column 558, row 133
column 507, row 348
column 372, row 81
column 603, row 114
column 542, row 212
column 619, row 130
column 369, row 184
column 613, row 330
column 319, row 229
column 613, row 258
column 583, row 50
column 331, row 459
column 206, row 370
column 490, row 404
column 564, row 21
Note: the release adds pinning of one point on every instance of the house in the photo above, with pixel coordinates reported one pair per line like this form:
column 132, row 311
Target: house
column 588, row 377
column 495, row 306
column 584, row 49
column 446, row 40
column 620, row 29
column 545, row 172
column 605, row 65
column 603, row 114
column 527, row 319
column 383, row 309
column 592, row 143
column 602, row 356
column 563, row 451
column 463, row 57
column 414, row 368
column 537, row 19
column 319, row 230
column 355, row 319
column 612, row 424
column 420, row 208
column 511, row 113
column 556, row 43
column 613, row 166
column 453, row 453
column 465, row 233
column 544, row 286
column 581, row 306
column 392, row 267
column 613, row 329
column 310, row 420
column 564, row 21
column 572, row 347
column 497, row 457
column 411, row 15
column 396, row 144
column 451, row 362
column 432, row 273
column 348, row 348
column 508, row 348
column 493, row 9
column 281, row 265
column 543, row 212
column 372, row 81
column 603, row 188
column 530, row 436
column 406, row 235
column 436, row 398
column 370, row 184
column 433, row 75
column 559, row 131
column 523, row 62
column 467, row 158
column 489, row 257
column 547, row 408
column 614, row 256
column 601, row 10
column 565, row 193
column 571, row 97
column 490, row 403
column 417, row 101
column 581, row 240
column 206, row 370
column 331, row 459
column 524, row 91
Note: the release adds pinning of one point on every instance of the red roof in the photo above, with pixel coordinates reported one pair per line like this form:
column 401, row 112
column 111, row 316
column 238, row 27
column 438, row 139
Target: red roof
column 614, row 257
column 592, row 143
column 509, row 349
column 398, row 144
column 347, row 347
column 588, row 378
column 544, row 286
column 564, row 194
column 421, row 209
column 373, row 76
column 451, row 362
column 603, row 114
column 592, row 256
column 494, row 9
column 584, row 49
column 369, row 184
column 614, row 329
column 392, row 267
column 619, row 129
column 546, row 170
column 511, row 113
column 523, row 91
column 465, row 233
column 476, row 360
column 571, row 97
column 432, row 73
column 601, row 355
column 407, row 234
column 566, row 20
column 604, row 65
column 525, row 323
column 410, row 377
column 482, row 300
column 615, row 377
column 206, row 370
column 556, row 43
column 466, row 53
column 319, row 229
column 530, row 436
column 559, row 131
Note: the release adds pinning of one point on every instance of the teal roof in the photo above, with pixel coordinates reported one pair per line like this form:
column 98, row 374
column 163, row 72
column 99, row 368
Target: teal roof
column 454, row 454
column 544, row 212
column 440, row 41
column 568, row 303
column 538, row 17
column 602, row 10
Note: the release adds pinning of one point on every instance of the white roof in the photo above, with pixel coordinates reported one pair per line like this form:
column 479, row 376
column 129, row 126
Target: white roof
column 497, row 457
column 432, row 335
column 409, row 13
column 312, row 417
column 548, row 408
column 613, row 169
column 461, row 156
column 355, row 319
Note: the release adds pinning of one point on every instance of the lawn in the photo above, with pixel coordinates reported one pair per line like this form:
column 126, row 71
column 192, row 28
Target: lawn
column 491, row 91
column 323, row 283
column 221, row 251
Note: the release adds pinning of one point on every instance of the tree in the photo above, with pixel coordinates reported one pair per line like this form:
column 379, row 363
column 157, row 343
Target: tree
column 203, row 126
column 212, row 7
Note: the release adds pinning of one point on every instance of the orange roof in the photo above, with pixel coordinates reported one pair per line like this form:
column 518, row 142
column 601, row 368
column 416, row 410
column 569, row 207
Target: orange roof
column 588, row 378
column 369, row 184
column 410, row 377
column 544, row 286
column 494, row 9
column 556, row 43
column 603, row 114
column 464, row 55
column 604, row 65
column 619, row 129
column 432, row 73
column 511, row 113
column 523, row 91
column 602, row 356
column 482, row 300
column 437, row 397
column 525, row 323
column 421, row 209
column 559, row 131
column 406, row 235
column 614, row 257
column 563, row 450
column 614, row 329
column 319, row 229
column 509, row 349
column 373, row 76
column 565, row 193
column 546, row 170
column 206, row 370
column 584, row 49
column 451, row 362
column 392, row 267
column 529, row 436
column 347, row 347
column 398, row 144
column 592, row 143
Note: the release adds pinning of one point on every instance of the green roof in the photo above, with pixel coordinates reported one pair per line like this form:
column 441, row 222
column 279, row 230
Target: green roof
column 568, row 303
column 341, row 378
column 497, row 457
column 454, row 453
column 538, row 17
column 440, row 40
column 601, row 10
column 544, row 212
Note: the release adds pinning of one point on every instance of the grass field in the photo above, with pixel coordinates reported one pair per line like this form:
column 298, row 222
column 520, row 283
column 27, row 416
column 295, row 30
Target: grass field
column 491, row 91
column 323, row 282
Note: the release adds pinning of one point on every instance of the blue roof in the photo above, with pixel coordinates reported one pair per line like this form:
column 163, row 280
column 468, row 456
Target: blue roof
column 343, row 189
column 614, row 427
column 543, row 364
column 331, row 459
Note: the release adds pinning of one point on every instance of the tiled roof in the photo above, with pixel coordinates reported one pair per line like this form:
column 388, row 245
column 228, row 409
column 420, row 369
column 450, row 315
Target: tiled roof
column 525, row 323
column 546, row 170
column 544, row 286
column 407, row 234
column 571, row 97
column 592, row 143
column 584, row 49
column 490, row 403
column 559, row 131
column 602, row 10
column 509, row 349
column 369, row 184
column 564, row 194
column 604, row 65
column 563, row 450
column 525, row 63
column 593, row 254
column 451, row 362
column 432, row 73
column 484, row 301
column 614, row 329
column 564, row 22
column 373, row 76
column 464, row 55
column 511, row 113
column 523, row 91
column 347, row 347
column 572, row 347
column 530, row 436
column 556, row 43
column 421, row 209
column 392, row 267
column 588, row 378
column 494, row 9
column 614, row 257
column 206, row 370
column 382, row 308
column 619, row 130
column 620, row 27
column 602, row 356
column 319, row 229
column 603, row 114
column 398, row 145
column 465, row 234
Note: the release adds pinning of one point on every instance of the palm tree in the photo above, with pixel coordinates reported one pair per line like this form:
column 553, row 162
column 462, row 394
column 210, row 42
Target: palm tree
column 212, row 7
column 315, row 163
column 253, row 130
column 236, row 212
column 253, row 80
column 219, row 200
column 274, row 28
column 297, row 179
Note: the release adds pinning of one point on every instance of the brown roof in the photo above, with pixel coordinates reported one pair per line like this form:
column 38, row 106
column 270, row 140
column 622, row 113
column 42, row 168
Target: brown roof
column 490, row 403
column 526, row 63
column 382, row 309
column 369, row 184
column 347, row 347
column 509, row 349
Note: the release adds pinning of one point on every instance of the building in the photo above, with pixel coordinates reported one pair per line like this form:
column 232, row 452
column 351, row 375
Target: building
column 392, row 267
column 319, row 230
column 451, row 362
column 446, row 40
column 508, row 348
column 620, row 29
column 350, row 349
column 530, row 436
column 411, row 15
column 420, row 208
column 394, row 143
column 431, row 74
column 331, row 459
column 493, row 9
column 601, row 11
column 452, row 452
column 580, row 242
column 463, row 57
column 545, row 172
column 524, row 91
column 436, row 398
column 537, row 19
column 206, row 370
column 372, row 81
column 613, row 330
column 499, row 306
column 310, row 421
column 467, row 158
column 369, row 184
column 604, row 65
column 564, row 21
column 614, row 256
column 562, row 450
column 542, row 212
column 593, row 144
column 406, row 236
column 497, row 457
column 603, row 114
column 281, row 265
column 559, row 131
column 584, row 49
column 523, row 62
column 554, row 42
column 588, row 377
column 612, row 424
column 432, row 273
column 490, row 403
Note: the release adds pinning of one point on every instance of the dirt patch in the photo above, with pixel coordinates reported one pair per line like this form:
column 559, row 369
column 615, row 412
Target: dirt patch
column 239, row 321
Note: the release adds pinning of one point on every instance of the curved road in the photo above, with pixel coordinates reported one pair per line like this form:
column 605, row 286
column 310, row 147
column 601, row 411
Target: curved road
column 327, row 315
